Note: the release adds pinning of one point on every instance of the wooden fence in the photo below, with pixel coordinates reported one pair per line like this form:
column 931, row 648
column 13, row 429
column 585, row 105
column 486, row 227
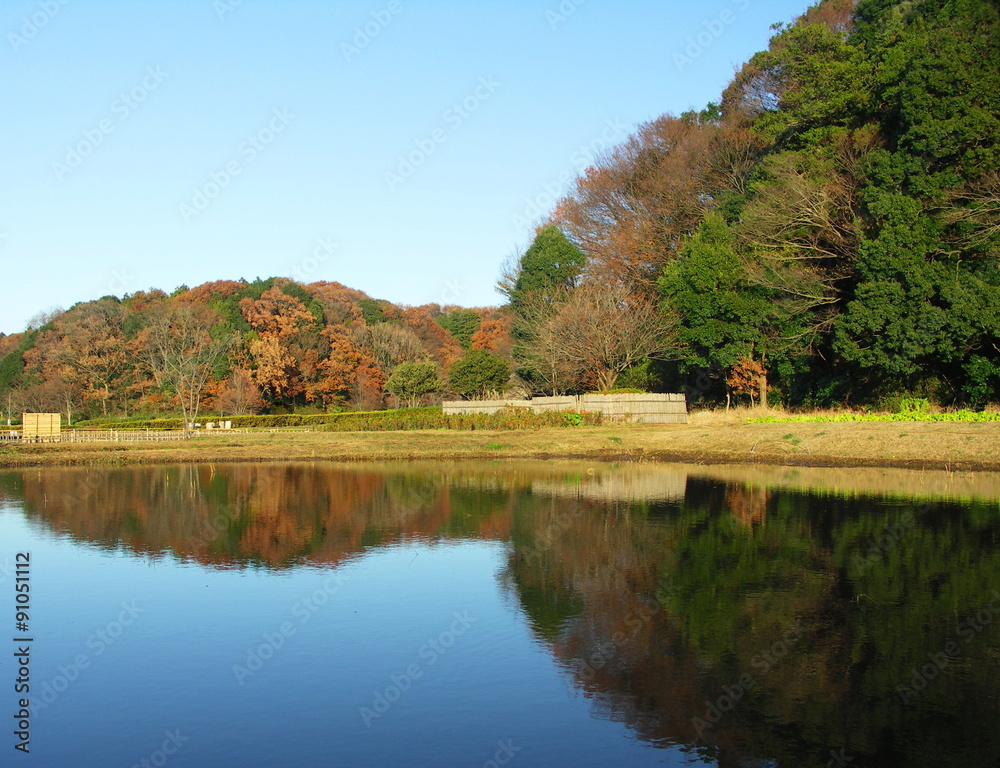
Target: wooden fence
column 40, row 425
column 641, row 408
column 100, row 436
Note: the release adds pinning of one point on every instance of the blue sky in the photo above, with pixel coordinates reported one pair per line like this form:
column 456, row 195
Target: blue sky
column 403, row 148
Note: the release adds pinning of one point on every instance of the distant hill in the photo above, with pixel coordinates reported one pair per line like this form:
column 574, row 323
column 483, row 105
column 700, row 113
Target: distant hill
column 286, row 345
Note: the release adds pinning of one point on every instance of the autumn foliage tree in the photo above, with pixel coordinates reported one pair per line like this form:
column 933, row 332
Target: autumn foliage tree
column 852, row 166
column 632, row 209
column 240, row 395
column 321, row 345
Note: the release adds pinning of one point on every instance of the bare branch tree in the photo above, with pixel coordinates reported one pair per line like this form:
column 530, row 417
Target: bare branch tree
column 606, row 329
column 389, row 343
column 598, row 332
column 540, row 347
column 510, row 270
column 182, row 354
column 978, row 207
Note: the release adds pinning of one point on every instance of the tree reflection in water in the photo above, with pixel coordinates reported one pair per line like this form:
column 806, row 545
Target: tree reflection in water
column 738, row 618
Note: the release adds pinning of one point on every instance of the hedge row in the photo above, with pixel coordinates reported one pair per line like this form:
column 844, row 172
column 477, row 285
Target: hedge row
column 383, row 421
column 239, row 422
column 911, row 416
column 433, row 418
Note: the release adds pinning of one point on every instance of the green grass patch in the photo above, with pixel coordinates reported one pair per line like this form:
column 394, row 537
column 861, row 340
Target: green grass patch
column 963, row 416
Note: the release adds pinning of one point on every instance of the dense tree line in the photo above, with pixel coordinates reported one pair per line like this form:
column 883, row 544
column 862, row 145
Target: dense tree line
column 239, row 347
column 828, row 232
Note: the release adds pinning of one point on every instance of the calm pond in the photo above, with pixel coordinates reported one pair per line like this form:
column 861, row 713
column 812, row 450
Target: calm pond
column 488, row 614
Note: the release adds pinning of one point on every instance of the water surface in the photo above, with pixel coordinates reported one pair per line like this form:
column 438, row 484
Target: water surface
column 531, row 614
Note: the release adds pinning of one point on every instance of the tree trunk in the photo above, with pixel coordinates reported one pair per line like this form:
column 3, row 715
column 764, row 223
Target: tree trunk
column 763, row 388
column 607, row 379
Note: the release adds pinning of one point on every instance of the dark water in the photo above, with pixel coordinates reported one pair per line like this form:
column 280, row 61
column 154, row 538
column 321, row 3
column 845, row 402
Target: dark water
column 496, row 614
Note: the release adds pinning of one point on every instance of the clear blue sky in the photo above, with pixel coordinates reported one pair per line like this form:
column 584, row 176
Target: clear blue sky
column 126, row 120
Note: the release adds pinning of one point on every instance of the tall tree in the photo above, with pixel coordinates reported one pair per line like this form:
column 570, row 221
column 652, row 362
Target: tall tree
column 478, row 374
column 182, row 352
column 240, row 395
column 631, row 210
column 546, row 274
column 412, row 380
column 462, row 324
column 723, row 315
column 551, row 265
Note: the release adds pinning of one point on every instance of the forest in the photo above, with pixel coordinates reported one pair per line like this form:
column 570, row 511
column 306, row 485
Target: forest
column 825, row 234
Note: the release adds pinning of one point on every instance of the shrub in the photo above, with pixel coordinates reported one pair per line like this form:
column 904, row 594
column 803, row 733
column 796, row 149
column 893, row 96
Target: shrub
column 914, row 405
column 477, row 373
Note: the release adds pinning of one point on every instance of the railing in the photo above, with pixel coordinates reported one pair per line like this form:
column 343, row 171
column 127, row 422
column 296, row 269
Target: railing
column 101, row 436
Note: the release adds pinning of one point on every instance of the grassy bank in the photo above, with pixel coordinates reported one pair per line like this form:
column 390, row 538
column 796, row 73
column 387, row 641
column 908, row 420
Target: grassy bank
column 708, row 438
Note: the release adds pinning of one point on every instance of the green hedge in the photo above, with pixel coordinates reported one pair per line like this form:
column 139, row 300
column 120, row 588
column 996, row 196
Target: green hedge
column 969, row 416
column 433, row 418
column 379, row 421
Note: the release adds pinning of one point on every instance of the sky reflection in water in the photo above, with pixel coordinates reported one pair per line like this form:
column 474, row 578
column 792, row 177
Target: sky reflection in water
column 537, row 613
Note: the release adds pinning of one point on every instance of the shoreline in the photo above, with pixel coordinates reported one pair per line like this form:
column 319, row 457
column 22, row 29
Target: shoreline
column 707, row 439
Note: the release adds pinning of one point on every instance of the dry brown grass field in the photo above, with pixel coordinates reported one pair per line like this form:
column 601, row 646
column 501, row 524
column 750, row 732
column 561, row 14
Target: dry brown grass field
column 709, row 438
